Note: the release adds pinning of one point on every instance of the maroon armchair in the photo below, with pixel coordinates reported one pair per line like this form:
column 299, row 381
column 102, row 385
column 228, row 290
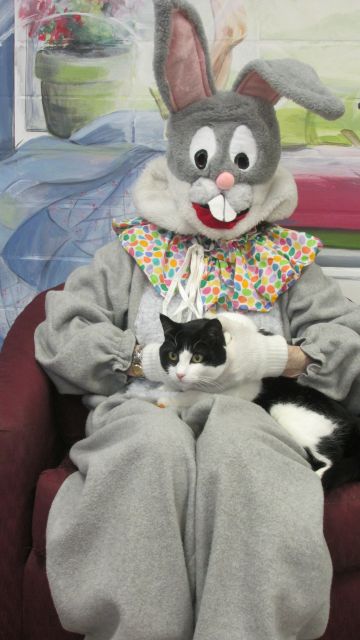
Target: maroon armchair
column 37, row 428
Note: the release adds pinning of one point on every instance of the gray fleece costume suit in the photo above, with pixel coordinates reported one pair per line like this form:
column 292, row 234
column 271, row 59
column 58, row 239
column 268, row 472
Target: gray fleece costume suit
column 156, row 521
column 163, row 534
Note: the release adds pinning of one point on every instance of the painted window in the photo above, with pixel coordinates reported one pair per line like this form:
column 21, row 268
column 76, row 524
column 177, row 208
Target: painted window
column 6, row 76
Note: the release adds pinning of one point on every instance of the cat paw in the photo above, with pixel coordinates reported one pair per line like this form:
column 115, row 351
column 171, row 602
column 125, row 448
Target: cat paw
column 163, row 403
column 168, row 403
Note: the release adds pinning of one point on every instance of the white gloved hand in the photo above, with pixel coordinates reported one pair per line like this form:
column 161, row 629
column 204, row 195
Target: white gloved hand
column 151, row 365
column 250, row 354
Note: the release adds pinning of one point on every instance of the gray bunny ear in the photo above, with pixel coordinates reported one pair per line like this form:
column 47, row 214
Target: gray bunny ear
column 181, row 60
column 272, row 79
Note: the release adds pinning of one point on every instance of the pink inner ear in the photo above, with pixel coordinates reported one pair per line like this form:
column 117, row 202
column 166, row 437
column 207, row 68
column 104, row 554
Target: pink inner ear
column 254, row 85
column 185, row 67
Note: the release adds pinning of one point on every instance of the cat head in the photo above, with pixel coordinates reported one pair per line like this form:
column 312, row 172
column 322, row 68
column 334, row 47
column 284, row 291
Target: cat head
column 193, row 353
column 221, row 175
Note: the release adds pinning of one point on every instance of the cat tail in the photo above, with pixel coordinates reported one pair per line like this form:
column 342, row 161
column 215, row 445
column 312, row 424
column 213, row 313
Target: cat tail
column 342, row 471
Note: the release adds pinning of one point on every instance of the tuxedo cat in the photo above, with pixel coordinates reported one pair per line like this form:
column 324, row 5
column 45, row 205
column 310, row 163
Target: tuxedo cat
column 194, row 355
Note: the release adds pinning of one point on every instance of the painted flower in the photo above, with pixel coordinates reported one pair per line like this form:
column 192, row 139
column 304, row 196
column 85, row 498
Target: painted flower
column 34, row 11
column 121, row 8
column 72, row 22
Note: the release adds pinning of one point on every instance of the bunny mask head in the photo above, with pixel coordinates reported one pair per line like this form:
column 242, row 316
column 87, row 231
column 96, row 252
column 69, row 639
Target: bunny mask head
column 221, row 175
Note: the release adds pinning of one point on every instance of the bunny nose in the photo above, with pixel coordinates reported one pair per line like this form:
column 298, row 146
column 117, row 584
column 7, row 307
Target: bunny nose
column 225, row 180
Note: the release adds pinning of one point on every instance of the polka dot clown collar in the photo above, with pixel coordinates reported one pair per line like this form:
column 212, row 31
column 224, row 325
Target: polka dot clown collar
column 247, row 274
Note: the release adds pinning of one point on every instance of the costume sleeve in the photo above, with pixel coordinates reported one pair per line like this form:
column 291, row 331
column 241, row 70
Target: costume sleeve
column 326, row 326
column 83, row 344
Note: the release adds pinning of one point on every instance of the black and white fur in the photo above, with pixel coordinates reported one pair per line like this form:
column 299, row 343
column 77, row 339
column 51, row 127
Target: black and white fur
column 194, row 357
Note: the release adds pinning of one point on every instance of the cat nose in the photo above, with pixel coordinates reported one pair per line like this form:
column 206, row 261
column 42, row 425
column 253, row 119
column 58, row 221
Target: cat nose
column 225, row 180
column 180, row 375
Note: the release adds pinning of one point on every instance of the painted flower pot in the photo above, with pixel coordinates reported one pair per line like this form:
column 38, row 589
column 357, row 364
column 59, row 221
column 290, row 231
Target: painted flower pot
column 78, row 85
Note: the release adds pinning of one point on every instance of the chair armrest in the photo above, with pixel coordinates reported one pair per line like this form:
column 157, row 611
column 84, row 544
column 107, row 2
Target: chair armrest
column 27, row 427
column 28, row 444
column 27, row 430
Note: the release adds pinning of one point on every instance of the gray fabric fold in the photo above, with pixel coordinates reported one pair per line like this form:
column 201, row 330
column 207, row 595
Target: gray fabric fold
column 160, row 536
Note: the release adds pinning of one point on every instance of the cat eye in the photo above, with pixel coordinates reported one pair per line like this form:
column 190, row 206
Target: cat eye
column 202, row 147
column 197, row 358
column 173, row 356
column 243, row 150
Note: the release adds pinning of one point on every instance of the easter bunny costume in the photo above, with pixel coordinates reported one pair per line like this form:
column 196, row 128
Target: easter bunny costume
column 166, row 532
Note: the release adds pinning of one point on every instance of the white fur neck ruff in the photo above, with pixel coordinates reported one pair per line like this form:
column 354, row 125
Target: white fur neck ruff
column 165, row 201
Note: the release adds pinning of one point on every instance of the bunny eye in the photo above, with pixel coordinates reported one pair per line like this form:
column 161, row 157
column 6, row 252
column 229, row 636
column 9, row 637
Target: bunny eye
column 242, row 161
column 202, row 147
column 201, row 158
column 243, row 150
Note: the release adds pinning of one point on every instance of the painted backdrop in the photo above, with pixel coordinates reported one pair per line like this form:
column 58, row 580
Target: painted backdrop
column 80, row 117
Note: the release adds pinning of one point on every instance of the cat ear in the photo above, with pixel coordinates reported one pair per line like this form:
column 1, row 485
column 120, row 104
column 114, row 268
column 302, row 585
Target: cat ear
column 214, row 329
column 168, row 325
